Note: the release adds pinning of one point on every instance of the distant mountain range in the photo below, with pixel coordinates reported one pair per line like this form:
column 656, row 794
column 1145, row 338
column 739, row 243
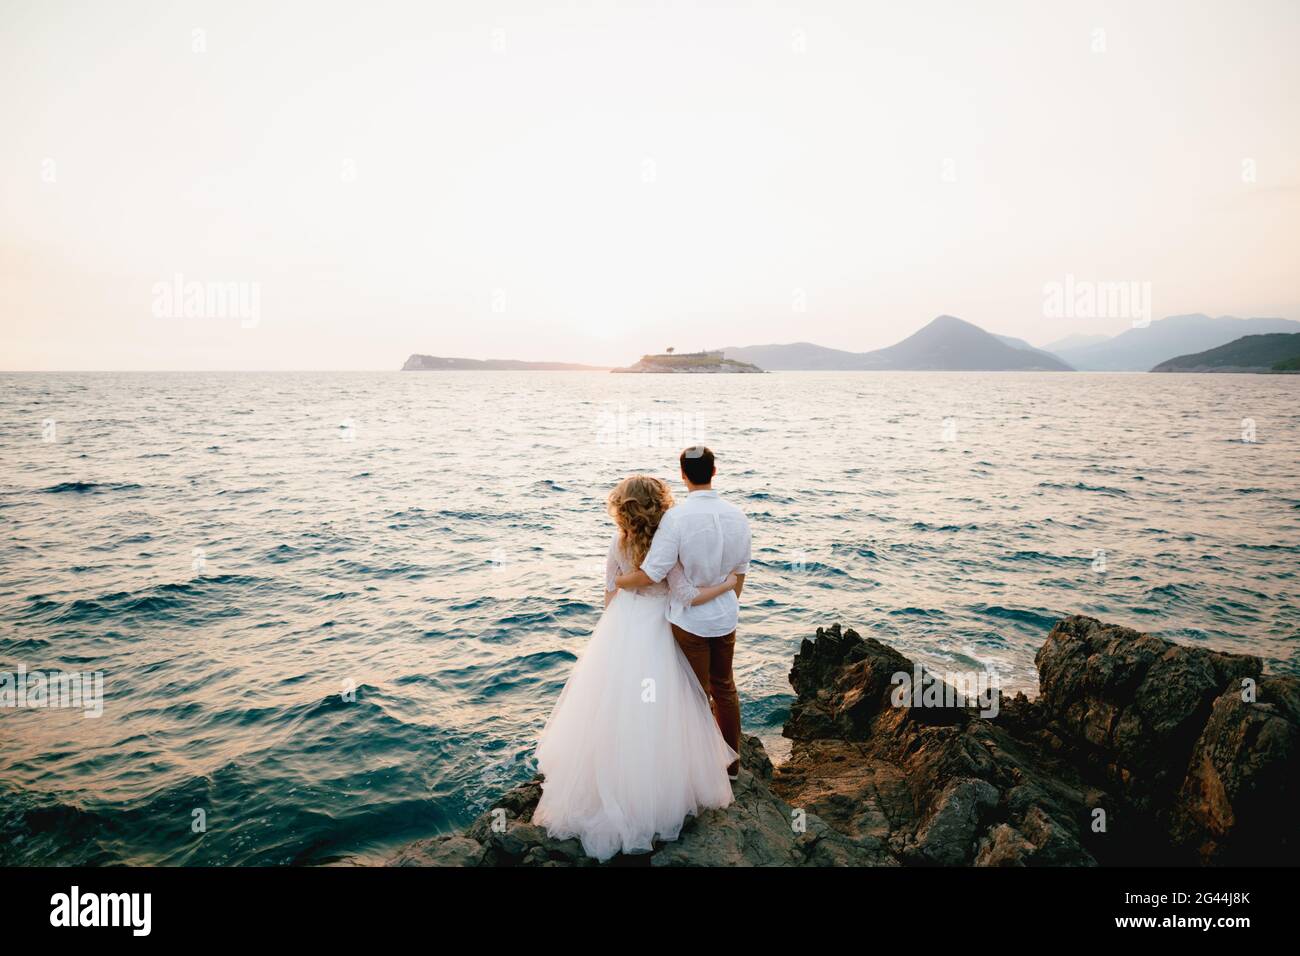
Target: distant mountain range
column 1073, row 342
column 952, row 344
column 436, row 363
column 1278, row 352
column 1140, row 349
column 1026, row 347
column 947, row 343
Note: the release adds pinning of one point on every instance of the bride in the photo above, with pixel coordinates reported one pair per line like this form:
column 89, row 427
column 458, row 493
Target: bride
column 631, row 748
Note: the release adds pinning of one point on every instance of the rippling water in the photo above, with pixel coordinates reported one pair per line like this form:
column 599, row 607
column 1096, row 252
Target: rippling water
column 234, row 551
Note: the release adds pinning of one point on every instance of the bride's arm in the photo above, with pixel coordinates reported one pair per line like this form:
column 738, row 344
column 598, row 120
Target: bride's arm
column 639, row 579
column 681, row 593
column 708, row 594
column 633, row 580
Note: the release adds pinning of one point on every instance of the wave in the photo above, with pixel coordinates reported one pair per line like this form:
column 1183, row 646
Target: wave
column 919, row 612
column 549, row 613
column 1081, row 486
column 89, row 487
column 154, row 603
column 1039, row 620
column 1041, row 557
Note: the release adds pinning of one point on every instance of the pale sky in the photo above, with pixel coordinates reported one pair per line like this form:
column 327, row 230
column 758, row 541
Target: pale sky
column 591, row 181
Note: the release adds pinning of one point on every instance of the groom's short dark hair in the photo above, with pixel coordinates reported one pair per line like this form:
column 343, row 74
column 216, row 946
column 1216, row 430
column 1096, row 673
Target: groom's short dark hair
column 697, row 464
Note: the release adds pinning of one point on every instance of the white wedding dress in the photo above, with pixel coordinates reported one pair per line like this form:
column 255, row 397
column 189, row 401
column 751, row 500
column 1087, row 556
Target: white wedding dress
column 631, row 748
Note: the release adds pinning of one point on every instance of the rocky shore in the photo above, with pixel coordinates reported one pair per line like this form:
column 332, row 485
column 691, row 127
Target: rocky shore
column 1136, row 751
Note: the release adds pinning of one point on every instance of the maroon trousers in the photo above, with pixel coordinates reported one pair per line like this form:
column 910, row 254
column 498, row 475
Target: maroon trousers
column 710, row 658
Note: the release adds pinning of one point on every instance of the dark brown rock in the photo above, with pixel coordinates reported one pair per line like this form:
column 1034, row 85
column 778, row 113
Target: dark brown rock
column 1132, row 704
column 842, row 683
column 1137, row 750
column 931, row 782
column 1237, row 803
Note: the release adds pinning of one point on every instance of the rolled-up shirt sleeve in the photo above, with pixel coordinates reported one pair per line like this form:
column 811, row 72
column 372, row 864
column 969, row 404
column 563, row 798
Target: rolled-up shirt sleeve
column 611, row 565
column 680, row 591
column 663, row 550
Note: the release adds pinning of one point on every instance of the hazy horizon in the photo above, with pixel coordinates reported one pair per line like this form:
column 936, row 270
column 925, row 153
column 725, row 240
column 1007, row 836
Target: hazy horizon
column 589, row 185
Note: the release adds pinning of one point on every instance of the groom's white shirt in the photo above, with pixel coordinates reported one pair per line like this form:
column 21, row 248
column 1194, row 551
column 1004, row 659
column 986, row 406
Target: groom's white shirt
column 710, row 539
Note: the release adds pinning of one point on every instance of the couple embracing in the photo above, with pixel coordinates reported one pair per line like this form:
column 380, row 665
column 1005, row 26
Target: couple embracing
column 647, row 730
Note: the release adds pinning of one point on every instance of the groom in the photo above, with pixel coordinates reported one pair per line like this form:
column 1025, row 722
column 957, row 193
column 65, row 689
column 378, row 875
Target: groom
column 710, row 539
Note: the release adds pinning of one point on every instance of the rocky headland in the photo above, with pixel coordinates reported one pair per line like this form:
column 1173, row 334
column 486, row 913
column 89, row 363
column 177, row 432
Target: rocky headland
column 1136, row 751
column 438, row 363
column 1277, row 352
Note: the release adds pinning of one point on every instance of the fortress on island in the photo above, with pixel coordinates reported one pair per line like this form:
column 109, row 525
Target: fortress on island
column 689, row 363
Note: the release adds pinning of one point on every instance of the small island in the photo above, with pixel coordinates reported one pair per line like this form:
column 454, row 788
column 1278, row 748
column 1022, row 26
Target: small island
column 691, row 363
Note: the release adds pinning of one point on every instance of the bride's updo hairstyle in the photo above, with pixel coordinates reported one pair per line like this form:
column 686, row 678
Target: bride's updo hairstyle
column 637, row 504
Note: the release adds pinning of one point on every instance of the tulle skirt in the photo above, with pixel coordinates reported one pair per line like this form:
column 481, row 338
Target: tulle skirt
column 631, row 748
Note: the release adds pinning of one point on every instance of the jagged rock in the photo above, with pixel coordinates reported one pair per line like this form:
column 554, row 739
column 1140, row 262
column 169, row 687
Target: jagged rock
column 1137, row 750
column 842, row 682
column 1004, row 845
column 1241, row 787
column 949, row 835
column 1133, row 704
column 445, row 851
column 935, row 780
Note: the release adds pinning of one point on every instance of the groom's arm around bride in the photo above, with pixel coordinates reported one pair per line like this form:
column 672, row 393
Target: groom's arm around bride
column 710, row 539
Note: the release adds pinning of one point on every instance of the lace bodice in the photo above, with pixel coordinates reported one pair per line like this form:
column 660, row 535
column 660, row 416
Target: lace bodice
column 679, row 591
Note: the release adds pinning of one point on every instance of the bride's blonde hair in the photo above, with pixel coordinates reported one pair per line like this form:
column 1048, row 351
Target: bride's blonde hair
column 637, row 504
